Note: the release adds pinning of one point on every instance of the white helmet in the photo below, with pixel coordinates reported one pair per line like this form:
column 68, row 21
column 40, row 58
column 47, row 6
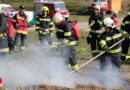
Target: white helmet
column 108, row 22
column 57, row 18
column 115, row 12
column 97, row 7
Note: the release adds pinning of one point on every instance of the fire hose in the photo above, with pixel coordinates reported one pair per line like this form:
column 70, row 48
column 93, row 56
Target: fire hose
column 96, row 57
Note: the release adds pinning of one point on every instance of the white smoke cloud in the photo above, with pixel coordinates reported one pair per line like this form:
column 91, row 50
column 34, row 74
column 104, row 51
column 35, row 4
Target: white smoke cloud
column 33, row 67
column 110, row 78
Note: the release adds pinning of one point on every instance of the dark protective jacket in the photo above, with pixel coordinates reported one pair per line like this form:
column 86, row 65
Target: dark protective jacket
column 109, row 39
column 44, row 25
column 65, row 33
column 126, row 24
column 20, row 23
column 95, row 21
column 3, row 34
column 3, row 24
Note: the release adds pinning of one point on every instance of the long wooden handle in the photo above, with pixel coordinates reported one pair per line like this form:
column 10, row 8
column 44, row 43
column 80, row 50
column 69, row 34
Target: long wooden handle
column 95, row 57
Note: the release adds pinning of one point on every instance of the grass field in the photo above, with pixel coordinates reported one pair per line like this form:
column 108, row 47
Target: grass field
column 72, row 5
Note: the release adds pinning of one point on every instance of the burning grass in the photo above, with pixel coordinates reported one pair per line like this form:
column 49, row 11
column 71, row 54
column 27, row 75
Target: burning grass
column 78, row 87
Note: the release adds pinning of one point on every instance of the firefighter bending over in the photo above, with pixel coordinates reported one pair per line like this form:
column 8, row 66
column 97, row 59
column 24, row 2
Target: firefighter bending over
column 4, row 50
column 126, row 43
column 65, row 35
column 20, row 24
column 95, row 24
column 44, row 26
column 111, row 36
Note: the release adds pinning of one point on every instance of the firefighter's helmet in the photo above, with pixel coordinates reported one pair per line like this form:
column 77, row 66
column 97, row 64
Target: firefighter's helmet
column 115, row 12
column 44, row 8
column 108, row 22
column 57, row 18
column 97, row 7
column 22, row 7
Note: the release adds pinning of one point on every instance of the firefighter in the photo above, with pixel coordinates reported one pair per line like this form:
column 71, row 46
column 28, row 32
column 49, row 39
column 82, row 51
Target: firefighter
column 95, row 24
column 111, row 36
column 114, row 17
column 10, row 34
column 44, row 26
column 4, row 50
column 126, row 43
column 66, row 37
column 20, row 24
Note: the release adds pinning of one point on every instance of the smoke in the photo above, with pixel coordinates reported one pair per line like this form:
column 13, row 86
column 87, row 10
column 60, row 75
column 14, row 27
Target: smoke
column 33, row 67
column 109, row 78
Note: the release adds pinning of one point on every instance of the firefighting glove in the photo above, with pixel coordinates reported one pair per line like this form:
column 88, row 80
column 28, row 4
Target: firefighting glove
column 106, row 48
column 127, row 36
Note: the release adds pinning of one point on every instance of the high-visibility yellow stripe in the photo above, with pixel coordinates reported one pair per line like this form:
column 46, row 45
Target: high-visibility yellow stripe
column 71, row 43
column 67, row 34
column 75, row 67
column 44, row 19
column 23, row 47
column 126, row 22
column 20, row 17
column 60, row 30
column 37, row 22
column 50, row 28
column 122, row 24
column 127, row 57
column 102, row 43
column 19, row 31
column 14, row 20
column 99, row 22
column 65, row 41
column 51, row 23
column 91, row 23
column 113, row 37
column 1, row 34
column 37, row 27
column 124, row 55
column 115, row 51
column 4, row 50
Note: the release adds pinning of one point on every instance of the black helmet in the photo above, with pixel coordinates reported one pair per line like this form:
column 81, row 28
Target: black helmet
column 21, row 7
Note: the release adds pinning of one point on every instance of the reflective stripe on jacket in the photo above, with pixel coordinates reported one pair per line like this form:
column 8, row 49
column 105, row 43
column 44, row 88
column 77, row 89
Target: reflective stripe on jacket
column 44, row 25
column 65, row 32
column 107, row 39
column 21, row 24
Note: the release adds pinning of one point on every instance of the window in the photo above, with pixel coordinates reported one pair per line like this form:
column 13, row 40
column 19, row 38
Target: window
column 60, row 6
column 95, row 0
column 52, row 6
column 103, row 0
column 10, row 10
column 4, row 9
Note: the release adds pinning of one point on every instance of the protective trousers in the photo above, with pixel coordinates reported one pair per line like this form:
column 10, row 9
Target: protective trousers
column 108, row 59
column 4, row 50
column 23, row 39
column 10, row 43
column 125, row 47
column 45, row 38
column 69, row 54
column 94, row 44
